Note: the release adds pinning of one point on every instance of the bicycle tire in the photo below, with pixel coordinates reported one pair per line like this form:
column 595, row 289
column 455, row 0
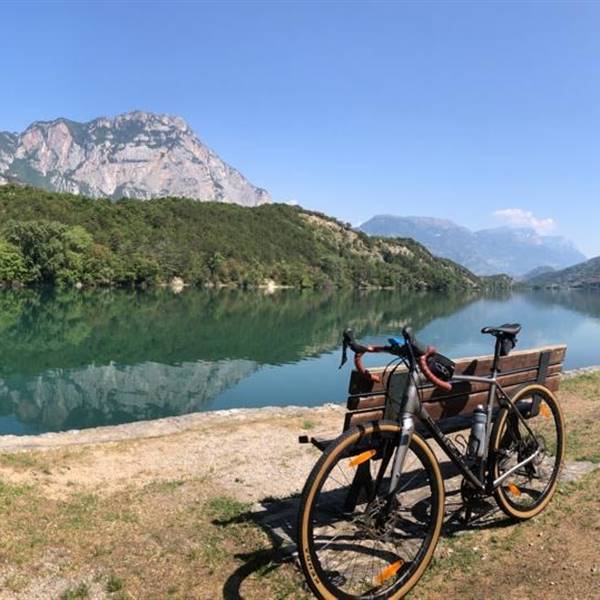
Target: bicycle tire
column 507, row 437
column 319, row 579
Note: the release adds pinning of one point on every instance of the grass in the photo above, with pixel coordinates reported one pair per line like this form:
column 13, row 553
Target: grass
column 77, row 593
column 582, row 407
column 580, row 448
column 226, row 508
column 114, row 584
column 189, row 537
column 307, row 424
column 586, row 385
column 41, row 462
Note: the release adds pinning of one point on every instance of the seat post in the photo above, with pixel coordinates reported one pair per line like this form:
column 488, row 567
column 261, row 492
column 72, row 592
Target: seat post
column 496, row 357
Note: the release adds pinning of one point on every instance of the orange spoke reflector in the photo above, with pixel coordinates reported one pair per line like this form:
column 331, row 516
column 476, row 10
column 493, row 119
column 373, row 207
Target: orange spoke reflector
column 388, row 572
column 362, row 457
column 545, row 411
column 513, row 489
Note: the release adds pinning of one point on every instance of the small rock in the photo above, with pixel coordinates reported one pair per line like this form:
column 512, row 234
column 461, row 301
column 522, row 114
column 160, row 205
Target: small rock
column 177, row 284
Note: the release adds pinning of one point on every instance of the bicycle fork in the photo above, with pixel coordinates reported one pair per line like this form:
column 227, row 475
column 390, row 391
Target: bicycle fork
column 411, row 407
column 408, row 428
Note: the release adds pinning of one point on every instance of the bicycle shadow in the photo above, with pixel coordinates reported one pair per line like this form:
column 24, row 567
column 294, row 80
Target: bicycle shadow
column 277, row 518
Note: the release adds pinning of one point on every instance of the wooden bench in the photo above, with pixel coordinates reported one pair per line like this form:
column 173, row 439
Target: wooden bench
column 452, row 410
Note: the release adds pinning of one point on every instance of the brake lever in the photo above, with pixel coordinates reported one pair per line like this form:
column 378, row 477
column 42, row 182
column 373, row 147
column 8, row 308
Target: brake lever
column 344, row 352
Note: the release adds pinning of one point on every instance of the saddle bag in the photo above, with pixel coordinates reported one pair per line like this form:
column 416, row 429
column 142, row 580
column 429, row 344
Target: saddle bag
column 507, row 343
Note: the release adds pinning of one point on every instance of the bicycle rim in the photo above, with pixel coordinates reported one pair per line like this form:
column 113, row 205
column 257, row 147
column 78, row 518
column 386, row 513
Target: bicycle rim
column 526, row 490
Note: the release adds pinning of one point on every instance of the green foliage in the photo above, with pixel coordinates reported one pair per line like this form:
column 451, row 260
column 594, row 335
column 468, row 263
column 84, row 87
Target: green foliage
column 52, row 252
column 12, row 264
column 60, row 239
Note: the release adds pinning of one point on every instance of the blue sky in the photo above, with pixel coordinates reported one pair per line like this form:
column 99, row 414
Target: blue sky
column 456, row 110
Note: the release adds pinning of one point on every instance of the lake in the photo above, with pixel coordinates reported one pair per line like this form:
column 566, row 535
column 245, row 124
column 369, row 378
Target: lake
column 70, row 360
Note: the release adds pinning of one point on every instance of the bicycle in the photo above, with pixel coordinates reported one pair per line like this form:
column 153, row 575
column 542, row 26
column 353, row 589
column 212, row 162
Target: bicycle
column 373, row 535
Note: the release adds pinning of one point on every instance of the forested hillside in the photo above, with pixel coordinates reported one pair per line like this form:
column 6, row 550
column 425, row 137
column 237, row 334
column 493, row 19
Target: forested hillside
column 583, row 275
column 62, row 239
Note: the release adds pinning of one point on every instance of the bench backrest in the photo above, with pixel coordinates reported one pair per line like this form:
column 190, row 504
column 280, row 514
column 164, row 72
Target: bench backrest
column 366, row 401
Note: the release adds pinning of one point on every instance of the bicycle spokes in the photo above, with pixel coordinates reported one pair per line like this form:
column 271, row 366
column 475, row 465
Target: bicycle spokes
column 528, row 453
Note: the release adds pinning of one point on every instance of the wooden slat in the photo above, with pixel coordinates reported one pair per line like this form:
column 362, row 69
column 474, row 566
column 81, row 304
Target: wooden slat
column 465, row 405
column 354, row 418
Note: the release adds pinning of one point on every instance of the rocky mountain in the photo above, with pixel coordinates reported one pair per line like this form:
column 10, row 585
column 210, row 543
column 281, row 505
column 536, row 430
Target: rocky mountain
column 134, row 155
column 485, row 252
column 8, row 142
column 543, row 270
column 582, row 275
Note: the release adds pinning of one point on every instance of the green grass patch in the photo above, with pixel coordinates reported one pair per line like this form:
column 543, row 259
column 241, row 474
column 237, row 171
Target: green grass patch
column 587, row 385
column 583, row 446
column 76, row 593
column 24, row 461
column 9, row 492
column 114, row 584
column 225, row 508
column 80, row 511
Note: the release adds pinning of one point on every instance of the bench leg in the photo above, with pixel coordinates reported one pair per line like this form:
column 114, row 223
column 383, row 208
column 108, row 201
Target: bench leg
column 362, row 481
column 535, row 406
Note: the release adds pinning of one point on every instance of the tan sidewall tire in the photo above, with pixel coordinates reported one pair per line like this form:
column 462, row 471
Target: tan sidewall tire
column 499, row 493
column 340, row 445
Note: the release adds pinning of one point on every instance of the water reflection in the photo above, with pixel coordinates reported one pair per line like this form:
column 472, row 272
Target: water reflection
column 73, row 360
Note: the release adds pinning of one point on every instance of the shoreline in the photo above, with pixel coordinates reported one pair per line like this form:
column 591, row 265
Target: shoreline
column 154, row 428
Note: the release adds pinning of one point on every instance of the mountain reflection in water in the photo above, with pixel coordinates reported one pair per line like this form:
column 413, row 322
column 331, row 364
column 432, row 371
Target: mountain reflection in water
column 82, row 359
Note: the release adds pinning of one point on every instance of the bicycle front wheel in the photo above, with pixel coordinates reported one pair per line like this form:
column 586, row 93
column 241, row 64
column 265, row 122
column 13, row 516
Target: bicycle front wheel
column 528, row 485
column 354, row 540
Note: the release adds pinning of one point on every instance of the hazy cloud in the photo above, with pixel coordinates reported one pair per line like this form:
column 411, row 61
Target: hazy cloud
column 517, row 217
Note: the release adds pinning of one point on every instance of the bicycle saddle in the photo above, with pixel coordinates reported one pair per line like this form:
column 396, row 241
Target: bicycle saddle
column 508, row 329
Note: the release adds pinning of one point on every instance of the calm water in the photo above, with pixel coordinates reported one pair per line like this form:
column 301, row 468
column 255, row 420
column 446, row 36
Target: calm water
column 75, row 360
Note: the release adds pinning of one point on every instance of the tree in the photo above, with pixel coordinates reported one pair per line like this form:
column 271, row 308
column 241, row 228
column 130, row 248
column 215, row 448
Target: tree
column 53, row 252
column 13, row 268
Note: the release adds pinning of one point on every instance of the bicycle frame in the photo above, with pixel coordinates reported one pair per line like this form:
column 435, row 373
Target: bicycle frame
column 412, row 408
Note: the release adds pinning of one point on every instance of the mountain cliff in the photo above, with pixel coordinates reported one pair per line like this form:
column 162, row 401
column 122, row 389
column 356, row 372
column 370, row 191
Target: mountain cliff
column 485, row 252
column 134, row 155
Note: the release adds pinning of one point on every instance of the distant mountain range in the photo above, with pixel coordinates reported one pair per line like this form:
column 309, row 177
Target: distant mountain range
column 134, row 155
column 583, row 275
column 508, row 250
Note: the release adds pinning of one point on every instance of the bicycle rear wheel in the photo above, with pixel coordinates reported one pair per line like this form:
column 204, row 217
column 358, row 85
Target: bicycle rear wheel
column 353, row 541
column 526, row 490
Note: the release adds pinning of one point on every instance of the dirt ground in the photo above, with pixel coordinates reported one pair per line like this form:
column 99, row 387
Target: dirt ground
column 203, row 507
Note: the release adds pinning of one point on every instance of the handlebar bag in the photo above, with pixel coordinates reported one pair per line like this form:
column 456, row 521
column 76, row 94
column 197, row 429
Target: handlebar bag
column 441, row 366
